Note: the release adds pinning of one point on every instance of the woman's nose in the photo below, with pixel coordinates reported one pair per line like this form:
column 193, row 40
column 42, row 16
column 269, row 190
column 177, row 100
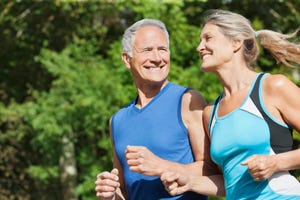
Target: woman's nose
column 200, row 46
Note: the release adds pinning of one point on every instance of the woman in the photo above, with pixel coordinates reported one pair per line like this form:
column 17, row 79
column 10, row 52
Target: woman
column 250, row 124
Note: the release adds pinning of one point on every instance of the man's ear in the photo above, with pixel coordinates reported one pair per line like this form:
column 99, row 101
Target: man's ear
column 126, row 59
column 237, row 44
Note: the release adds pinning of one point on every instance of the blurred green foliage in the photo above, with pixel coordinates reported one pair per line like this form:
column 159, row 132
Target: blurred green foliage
column 62, row 77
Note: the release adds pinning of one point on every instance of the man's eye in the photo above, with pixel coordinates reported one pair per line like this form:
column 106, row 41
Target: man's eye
column 147, row 50
column 163, row 49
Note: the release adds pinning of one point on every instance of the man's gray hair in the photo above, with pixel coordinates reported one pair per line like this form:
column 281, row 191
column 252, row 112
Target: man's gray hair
column 128, row 36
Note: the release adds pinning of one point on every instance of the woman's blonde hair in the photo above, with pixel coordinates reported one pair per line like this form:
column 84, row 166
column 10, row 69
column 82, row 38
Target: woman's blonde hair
column 235, row 26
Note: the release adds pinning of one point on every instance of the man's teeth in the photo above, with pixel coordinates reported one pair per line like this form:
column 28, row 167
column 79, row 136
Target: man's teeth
column 154, row 68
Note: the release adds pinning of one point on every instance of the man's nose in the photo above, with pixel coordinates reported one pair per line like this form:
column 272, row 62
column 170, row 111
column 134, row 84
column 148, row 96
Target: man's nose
column 156, row 55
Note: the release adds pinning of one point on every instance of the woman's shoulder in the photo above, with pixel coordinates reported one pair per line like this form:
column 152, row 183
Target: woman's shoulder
column 279, row 88
column 275, row 82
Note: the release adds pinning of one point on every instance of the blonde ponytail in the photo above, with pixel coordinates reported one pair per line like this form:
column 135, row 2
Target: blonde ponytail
column 280, row 47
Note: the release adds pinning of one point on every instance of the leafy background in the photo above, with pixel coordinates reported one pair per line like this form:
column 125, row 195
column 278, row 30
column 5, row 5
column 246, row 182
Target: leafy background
column 62, row 78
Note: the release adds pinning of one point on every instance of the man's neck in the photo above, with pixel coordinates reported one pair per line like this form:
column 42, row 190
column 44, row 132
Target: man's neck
column 147, row 93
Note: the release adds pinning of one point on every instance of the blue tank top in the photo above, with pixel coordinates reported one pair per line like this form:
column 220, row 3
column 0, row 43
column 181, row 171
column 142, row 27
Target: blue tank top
column 160, row 128
column 250, row 129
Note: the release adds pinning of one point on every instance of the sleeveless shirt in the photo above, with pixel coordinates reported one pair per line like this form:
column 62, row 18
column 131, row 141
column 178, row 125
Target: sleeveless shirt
column 250, row 129
column 159, row 127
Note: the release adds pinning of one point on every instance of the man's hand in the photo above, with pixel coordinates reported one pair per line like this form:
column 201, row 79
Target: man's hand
column 106, row 184
column 141, row 159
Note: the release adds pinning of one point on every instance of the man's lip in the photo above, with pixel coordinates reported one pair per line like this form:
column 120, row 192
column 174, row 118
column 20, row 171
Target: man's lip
column 156, row 67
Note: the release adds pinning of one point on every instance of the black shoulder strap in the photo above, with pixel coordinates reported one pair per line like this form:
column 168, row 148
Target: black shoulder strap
column 254, row 95
column 255, row 92
column 214, row 110
column 281, row 138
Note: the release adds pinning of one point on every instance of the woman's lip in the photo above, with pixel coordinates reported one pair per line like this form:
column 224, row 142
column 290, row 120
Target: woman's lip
column 205, row 56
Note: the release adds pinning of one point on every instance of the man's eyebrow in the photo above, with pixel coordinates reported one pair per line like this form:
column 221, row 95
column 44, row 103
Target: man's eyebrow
column 142, row 48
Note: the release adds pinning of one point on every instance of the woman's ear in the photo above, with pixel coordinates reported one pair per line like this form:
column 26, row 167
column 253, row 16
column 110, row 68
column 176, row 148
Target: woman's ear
column 237, row 44
column 126, row 59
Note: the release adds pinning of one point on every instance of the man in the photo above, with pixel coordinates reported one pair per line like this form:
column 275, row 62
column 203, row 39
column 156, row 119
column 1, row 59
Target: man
column 160, row 129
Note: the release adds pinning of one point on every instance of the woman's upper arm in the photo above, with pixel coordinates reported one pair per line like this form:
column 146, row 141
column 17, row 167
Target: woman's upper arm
column 283, row 95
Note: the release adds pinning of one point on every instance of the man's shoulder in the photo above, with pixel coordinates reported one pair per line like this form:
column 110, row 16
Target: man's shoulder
column 123, row 109
column 172, row 84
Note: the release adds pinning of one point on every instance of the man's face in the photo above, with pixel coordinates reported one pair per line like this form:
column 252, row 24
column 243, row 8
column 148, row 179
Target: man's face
column 150, row 62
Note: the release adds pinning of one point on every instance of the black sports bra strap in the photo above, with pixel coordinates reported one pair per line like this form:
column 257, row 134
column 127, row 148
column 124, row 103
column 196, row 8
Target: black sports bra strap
column 255, row 92
column 214, row 110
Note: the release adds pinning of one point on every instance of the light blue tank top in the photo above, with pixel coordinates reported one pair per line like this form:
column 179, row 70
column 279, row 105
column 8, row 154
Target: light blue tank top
column 159, row 127
column 250, row 129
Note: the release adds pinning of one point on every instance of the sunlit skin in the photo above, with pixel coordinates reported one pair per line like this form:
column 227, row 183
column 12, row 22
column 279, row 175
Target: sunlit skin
column 150, row 61
column 149, row 66
column 212, row 54
column 224, row 57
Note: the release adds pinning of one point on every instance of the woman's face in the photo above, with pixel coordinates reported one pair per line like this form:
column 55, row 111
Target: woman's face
column 215, row 49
